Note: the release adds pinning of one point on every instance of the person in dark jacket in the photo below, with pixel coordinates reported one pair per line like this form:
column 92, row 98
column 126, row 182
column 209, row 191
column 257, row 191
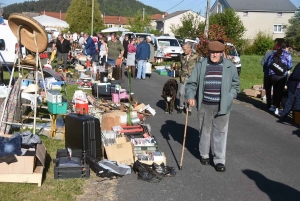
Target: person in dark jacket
column 63, row 48
column 277, row 81
column 293, row 85
column 142, row 55
column 89, row 47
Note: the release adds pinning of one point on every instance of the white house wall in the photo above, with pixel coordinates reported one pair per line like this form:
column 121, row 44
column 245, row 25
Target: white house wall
column 176, row 20
column 263, row 21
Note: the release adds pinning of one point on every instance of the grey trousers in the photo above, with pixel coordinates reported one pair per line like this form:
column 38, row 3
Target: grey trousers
column 216, row 126
column 64, row 56
column 182, row 101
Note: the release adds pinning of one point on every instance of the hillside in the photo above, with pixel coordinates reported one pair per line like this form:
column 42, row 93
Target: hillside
column 109, row 7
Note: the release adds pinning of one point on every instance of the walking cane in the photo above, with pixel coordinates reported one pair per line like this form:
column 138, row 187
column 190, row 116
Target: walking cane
column 184, row 136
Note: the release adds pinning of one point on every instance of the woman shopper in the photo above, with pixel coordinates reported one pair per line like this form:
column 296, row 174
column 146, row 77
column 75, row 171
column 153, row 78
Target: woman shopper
column 130, row 62
column 278, row 81
column 293, row 85
column 103, row 51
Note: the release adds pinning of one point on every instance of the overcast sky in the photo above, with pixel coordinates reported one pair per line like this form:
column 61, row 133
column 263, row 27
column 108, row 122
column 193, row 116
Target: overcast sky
column 168, row 5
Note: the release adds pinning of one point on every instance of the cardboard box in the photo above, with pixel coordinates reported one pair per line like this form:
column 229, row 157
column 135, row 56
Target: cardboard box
column 25, row 164
column 109, row 120
column 161, row 159
column 262, row 93
column 257, row 87
column 251, row 92
column 296, row 117
column 122, row 152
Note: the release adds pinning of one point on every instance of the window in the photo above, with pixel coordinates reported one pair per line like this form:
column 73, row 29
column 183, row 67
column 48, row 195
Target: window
column 279, row 14
column 2, row 44
column 168, row 42
column 220, row 8
column 278, row 28
column 245, row 13
column 110, row 26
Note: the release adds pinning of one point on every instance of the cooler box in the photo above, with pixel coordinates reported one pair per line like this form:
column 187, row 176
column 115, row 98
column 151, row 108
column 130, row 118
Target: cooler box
column 81, row 108
column 57, row 108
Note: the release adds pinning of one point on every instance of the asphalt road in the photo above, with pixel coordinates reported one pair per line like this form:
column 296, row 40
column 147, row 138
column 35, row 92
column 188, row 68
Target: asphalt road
column 263, row 161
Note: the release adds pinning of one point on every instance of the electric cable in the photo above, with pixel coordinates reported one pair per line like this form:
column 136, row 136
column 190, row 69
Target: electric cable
column 175, row 6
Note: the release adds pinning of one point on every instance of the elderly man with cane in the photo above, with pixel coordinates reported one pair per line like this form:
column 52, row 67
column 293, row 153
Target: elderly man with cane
column 213, row 84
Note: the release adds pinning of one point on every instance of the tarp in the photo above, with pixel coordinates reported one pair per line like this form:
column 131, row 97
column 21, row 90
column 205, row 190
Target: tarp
column 48, row 21
column 114, row 29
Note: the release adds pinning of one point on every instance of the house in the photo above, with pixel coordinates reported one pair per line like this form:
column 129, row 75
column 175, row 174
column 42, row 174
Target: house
column 269, row 16
column 58, row 15
column 115, row 21
column 156, row 17
column 164, row 24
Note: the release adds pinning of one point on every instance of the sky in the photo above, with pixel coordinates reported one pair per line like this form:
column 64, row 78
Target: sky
column 169, row 6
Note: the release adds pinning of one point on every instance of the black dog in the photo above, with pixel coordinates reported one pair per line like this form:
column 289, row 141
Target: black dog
column 169, row 94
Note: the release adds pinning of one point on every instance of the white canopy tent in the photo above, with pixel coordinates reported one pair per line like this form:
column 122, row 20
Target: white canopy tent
column 114, row 29
column 48, row 21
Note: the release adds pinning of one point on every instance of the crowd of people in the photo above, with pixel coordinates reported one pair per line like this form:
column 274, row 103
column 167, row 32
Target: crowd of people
column 105, row 49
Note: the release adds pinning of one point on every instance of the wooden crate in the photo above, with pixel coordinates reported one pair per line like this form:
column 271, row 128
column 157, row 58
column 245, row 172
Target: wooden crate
column 34, row 178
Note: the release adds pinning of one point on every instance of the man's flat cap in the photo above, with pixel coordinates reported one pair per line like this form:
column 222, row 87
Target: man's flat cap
column 216, row 46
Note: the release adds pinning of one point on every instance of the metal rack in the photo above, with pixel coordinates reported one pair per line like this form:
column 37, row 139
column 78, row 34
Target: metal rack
column 36, row 69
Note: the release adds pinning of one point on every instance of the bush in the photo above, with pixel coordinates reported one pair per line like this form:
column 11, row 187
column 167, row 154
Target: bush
column 262, row 43
column 247, row 48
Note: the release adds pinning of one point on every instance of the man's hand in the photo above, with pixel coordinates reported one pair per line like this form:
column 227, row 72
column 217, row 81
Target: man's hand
column 191, row 102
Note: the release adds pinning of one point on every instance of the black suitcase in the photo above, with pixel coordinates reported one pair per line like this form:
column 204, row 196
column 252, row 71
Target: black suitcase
column 83, row 132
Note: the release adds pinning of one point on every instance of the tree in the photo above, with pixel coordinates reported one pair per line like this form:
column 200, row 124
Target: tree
column 215, row 32
column 190, row 25
column 234, row 28
column 137, row 24
column 79, row 16
column 292, row 34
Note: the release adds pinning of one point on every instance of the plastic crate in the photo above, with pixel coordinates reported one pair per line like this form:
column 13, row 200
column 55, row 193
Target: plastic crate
column 57, row 108
column 163, row 73
column 72, row 172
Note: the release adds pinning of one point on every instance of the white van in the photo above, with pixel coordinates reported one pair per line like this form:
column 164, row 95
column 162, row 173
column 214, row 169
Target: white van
column 8, row 44
column 169, row 46
column 233, row 54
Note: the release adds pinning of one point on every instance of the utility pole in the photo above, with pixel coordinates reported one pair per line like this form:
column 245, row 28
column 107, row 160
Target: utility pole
column 92, row 28
column 207, row 18
column 143, row 13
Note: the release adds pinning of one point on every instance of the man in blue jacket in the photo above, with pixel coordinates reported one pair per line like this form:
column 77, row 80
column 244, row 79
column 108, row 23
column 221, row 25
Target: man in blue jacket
column 142, row 55
column 89, row 47
column 213, row 84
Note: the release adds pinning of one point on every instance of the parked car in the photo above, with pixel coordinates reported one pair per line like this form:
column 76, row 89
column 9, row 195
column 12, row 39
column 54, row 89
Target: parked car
column 234, row 56
column 169, row 46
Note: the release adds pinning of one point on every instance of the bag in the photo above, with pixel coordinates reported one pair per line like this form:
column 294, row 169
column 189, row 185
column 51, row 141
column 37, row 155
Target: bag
column 277, row 66
column 119, row 62
column 146, row 173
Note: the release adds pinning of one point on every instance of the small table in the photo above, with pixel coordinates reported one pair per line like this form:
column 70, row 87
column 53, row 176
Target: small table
column 53, row 128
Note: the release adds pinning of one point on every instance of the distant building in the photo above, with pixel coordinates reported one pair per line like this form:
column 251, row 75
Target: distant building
column 164, row 24
column 269, row 16
column 58, row 15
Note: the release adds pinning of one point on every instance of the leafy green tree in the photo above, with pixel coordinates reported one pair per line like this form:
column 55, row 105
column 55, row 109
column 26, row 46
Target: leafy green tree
column 292, row 34
column 189, row 27
column 234, row 27
column 215, row 32
column 79, row 16
column 137, row 24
